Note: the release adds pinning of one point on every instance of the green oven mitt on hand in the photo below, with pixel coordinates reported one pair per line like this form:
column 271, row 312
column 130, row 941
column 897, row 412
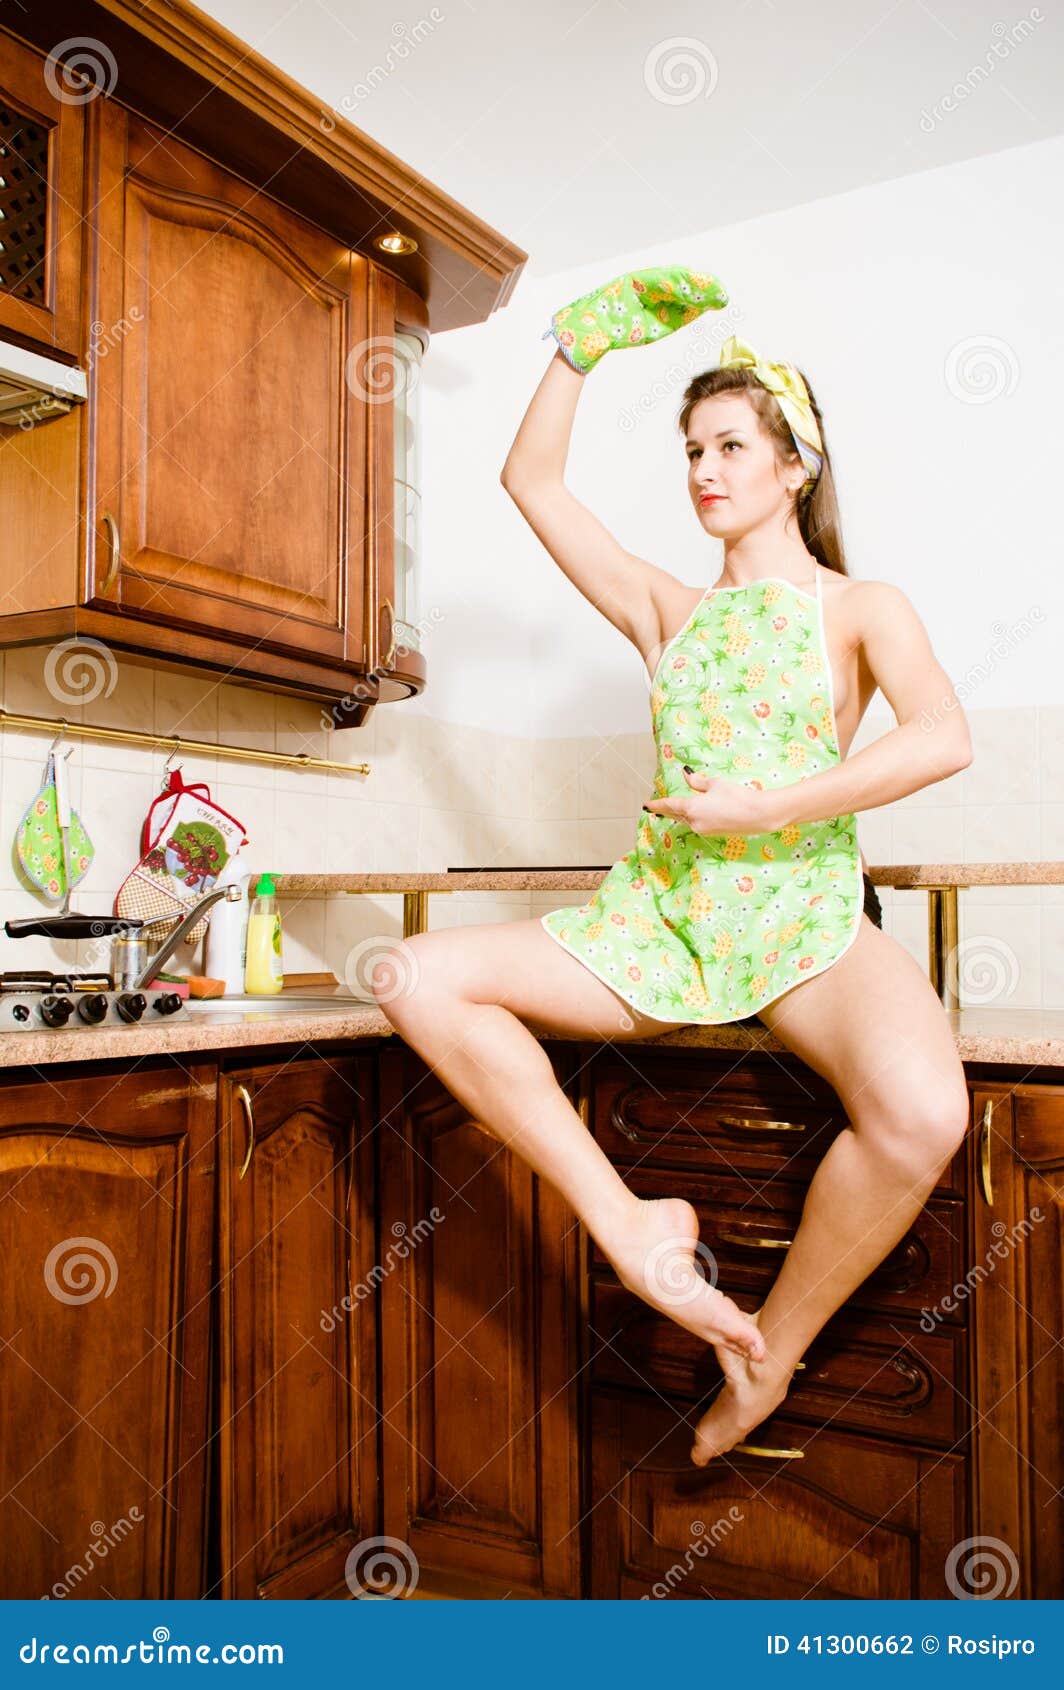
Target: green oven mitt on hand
column 632, row 310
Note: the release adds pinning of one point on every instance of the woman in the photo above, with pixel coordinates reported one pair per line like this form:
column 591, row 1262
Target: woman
column 760, row 481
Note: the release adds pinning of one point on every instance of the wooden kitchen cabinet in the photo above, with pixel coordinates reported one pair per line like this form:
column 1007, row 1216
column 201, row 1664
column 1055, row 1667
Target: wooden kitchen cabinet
column 41, row 167
column 297, row 1407
column 240, row 492
column 106, row 1200
column 480, row 1360
column 1016, row 1294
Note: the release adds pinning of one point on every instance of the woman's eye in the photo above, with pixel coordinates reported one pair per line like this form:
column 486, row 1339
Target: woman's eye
column 728, row 443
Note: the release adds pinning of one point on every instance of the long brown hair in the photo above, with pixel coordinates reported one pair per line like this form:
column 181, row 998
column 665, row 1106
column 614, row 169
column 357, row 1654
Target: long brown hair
column 816, row 507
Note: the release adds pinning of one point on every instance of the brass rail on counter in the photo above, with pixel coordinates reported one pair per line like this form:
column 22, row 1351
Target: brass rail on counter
column 942, row 923
column 175, row 745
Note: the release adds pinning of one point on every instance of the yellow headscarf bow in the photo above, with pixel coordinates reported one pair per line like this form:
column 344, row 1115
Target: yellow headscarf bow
column 792, row 395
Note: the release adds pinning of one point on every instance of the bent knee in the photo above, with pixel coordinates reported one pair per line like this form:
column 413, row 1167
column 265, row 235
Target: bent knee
column 399, row 974
column 926, row 1134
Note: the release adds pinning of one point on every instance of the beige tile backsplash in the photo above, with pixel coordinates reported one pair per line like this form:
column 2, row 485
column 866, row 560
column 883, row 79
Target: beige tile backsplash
column 441, row 795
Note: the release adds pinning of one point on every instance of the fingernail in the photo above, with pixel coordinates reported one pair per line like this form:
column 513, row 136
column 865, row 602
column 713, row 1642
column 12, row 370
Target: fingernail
column 687, row 769
column 647, row 808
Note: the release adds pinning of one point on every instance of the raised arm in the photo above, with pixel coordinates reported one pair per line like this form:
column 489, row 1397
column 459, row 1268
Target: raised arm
column 627, row 590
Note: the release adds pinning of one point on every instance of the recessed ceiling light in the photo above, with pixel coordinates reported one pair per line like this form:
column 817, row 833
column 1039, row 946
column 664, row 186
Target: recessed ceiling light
column 396, row 243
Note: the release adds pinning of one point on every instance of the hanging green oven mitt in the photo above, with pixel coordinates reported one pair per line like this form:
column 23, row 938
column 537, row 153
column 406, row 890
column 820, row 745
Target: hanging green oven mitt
column 633, row 310
column 40, row 850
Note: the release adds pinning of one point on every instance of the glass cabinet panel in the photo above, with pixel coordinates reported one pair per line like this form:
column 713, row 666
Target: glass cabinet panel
column 409, row 353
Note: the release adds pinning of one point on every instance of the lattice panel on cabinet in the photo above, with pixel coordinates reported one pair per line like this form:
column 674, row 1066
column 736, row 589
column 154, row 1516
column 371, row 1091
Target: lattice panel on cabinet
column 23, row 204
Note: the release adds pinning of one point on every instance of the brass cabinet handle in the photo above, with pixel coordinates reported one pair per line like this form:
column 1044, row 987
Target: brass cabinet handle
column 984, row 1154
column 244, row 1096
column 386, row 662
column 115, row 558
column 769, row 1454
column 750, row 1123
column 750, row 1242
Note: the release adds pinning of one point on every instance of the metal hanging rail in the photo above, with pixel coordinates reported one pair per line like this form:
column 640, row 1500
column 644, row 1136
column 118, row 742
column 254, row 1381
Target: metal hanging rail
column 174, row 744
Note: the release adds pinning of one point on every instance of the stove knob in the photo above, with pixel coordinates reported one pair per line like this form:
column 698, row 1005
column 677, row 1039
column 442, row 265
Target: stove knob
column 21, row 1012
column 92, row 1007
column 56, row 1012
column 131, row 1005
column 168, row 1004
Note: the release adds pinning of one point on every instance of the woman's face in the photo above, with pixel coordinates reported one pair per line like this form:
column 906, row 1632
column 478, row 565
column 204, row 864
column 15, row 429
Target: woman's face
column 732, row 475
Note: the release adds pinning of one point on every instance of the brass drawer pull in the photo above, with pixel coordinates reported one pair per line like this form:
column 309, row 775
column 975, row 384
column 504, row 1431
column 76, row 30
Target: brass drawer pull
column 984, row 1154
column 244, row 1097
column 769, row 1454
column 750, row 1123
column 749, row 1241
column 115, row 558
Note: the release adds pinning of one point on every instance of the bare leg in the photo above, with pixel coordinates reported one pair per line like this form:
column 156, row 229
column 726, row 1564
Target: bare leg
column 455, row 997
column 895, row 1068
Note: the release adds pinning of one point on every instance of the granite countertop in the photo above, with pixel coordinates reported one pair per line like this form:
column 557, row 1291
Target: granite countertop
column 1031, row 1037
column 905, row 875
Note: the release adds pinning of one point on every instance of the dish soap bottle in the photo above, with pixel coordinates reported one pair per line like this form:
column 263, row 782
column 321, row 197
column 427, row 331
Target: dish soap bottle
column 263, row 971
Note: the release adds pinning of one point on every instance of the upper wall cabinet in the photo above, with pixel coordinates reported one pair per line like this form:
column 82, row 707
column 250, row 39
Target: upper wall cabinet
column 241, row 490
column 40, row 205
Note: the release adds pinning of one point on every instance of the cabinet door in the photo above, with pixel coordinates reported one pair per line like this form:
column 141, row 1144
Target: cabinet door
column 480, row 1304
column 229, row 447
column 105, row 1224
column 1016, row 1289
column 40, row 200
column 820, row 1514
column 297, row 1358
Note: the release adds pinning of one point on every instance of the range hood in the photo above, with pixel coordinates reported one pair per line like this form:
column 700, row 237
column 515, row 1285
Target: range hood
column 34, row 389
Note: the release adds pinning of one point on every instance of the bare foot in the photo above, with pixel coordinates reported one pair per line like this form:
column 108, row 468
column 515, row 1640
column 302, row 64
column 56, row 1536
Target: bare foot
column 752, row 1390
column 655, row 1258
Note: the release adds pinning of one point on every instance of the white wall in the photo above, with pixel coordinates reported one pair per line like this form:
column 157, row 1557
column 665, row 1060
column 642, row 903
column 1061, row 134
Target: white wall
column 945, row 455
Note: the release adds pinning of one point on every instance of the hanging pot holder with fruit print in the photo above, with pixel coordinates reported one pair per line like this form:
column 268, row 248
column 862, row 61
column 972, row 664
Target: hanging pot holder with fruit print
column 186, row 842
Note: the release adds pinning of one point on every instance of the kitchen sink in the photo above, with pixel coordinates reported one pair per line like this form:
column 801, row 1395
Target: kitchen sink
column 283, row 1004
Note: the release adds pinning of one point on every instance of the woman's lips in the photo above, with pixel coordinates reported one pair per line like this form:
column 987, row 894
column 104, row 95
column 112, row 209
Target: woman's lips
column 711, row 498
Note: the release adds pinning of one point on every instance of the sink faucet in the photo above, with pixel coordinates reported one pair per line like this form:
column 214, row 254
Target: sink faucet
column 151, row 968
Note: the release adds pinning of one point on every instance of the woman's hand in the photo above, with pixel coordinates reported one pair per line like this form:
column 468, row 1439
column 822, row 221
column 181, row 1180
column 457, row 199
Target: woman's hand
column 634, row 309
column 720, row 806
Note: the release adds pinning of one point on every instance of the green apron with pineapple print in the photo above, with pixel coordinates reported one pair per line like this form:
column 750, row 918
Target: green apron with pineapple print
column 709, row 928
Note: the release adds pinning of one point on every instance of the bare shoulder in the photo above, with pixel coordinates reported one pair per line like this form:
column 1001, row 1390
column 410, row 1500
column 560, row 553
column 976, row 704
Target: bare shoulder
column 869, row 608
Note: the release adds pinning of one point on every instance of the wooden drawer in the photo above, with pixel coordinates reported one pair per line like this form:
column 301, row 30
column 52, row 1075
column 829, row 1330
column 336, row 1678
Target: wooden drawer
column 748, row 1228
column 859, row 1372
column 852, row 1517
column 683, row 1109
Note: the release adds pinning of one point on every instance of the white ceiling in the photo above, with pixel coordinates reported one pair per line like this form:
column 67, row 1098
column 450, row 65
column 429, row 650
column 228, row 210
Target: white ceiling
column 562, row 125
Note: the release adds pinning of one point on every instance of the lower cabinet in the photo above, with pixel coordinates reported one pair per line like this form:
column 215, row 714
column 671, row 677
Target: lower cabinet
column 303, row 1328
column 1015, row 1289
column 297, row 1441
column 480, row 1350
column 106, row 1228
